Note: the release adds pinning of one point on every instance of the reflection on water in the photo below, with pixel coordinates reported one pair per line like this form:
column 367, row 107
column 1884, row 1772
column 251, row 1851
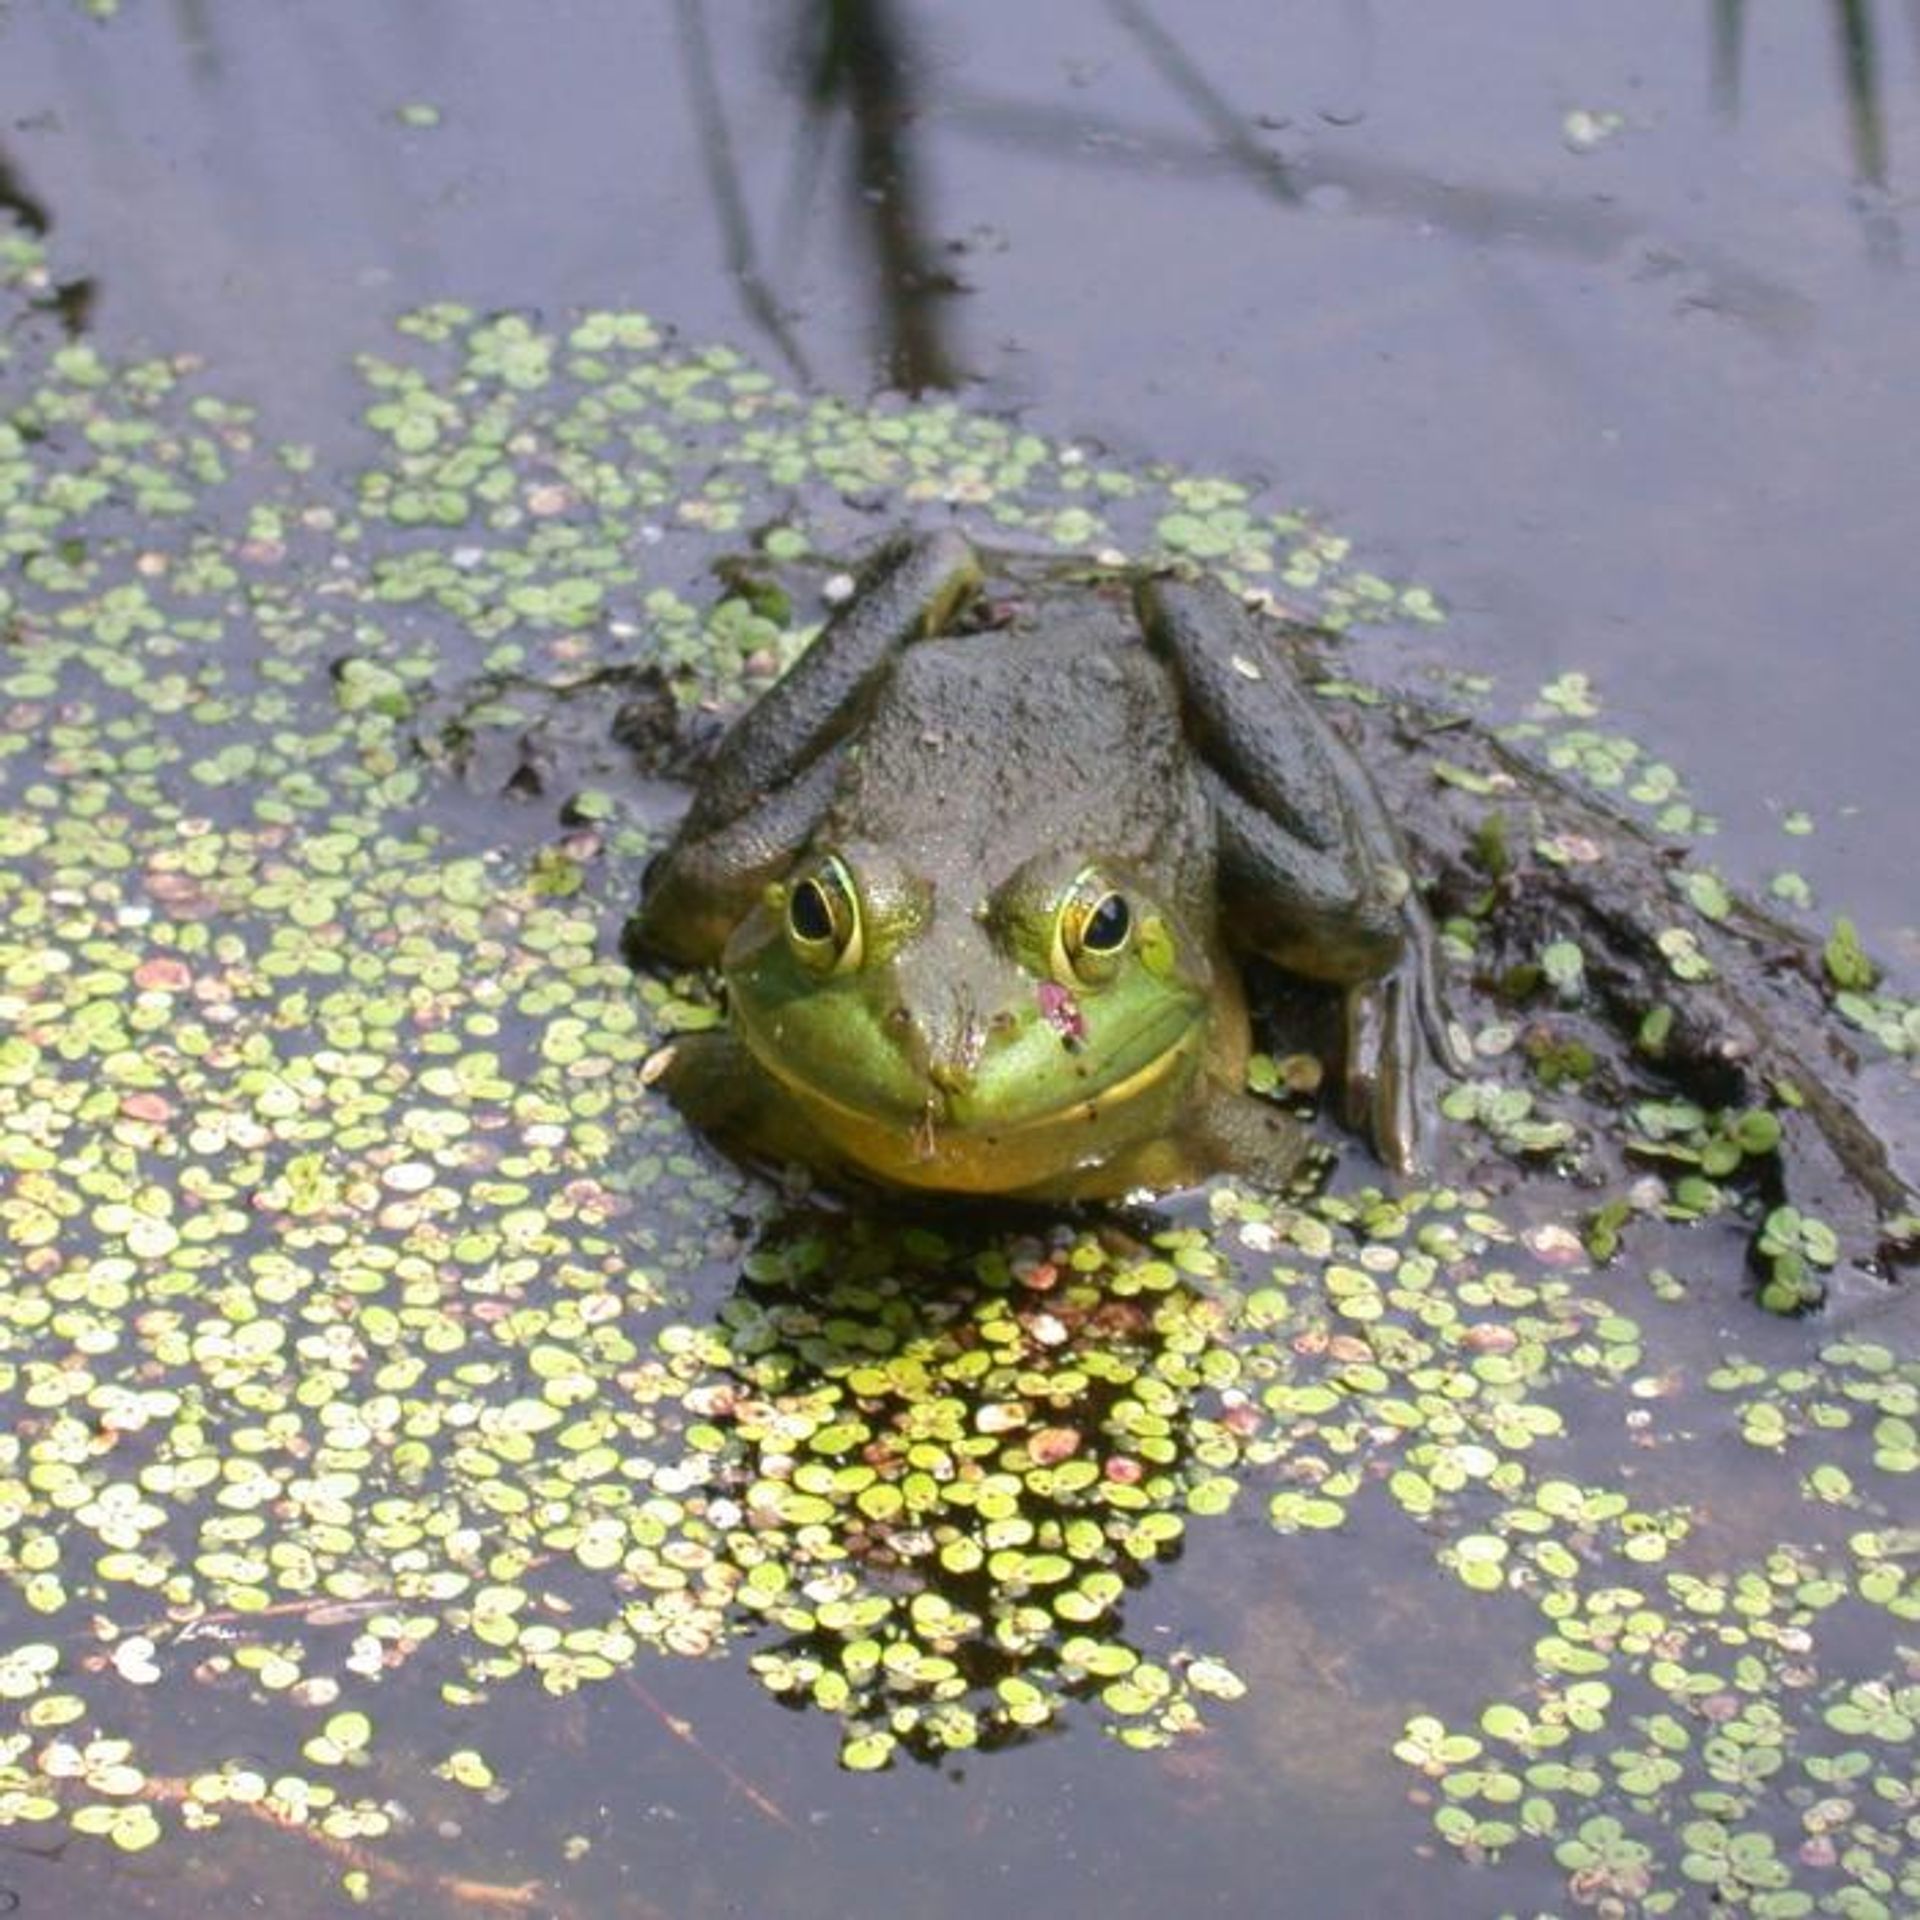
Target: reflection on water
column 855, row 59
column 1860, row 70
column 851, row 61
column 852, row 65
column 729, row 204
column 1855, row 27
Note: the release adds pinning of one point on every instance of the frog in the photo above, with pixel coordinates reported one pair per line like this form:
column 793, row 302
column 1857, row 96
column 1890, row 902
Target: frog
column 983, row 891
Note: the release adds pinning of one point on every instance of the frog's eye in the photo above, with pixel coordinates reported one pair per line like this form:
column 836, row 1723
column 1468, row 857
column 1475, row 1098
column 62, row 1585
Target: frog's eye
column 823, row 918
column 1093, row 930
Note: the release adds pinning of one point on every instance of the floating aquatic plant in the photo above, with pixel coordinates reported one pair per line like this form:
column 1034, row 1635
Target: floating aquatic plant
column 376, row 1347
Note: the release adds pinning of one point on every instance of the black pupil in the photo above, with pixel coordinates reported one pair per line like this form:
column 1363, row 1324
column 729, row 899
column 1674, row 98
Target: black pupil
column 809, row 913
column 1107, row 925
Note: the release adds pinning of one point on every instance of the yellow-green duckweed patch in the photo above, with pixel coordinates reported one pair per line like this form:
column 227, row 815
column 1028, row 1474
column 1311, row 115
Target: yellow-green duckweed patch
column 376, row 1348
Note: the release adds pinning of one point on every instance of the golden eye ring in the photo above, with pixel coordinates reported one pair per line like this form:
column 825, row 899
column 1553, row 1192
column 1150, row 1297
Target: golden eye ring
column 1092, row 931
column 823, row 922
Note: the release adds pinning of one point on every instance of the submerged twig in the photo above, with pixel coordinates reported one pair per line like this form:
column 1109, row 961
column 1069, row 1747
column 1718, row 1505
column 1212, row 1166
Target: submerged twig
column 682, row 1730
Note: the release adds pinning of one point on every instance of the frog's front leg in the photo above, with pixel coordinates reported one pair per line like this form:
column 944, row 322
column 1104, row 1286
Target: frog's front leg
column 1312, row 874
column 763, row 790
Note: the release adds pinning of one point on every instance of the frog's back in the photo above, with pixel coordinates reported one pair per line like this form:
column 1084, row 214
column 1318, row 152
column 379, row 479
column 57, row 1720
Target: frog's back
column 987, row 749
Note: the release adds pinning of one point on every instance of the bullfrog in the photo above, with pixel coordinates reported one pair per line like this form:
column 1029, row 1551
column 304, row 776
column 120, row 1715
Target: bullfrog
column 980, row 898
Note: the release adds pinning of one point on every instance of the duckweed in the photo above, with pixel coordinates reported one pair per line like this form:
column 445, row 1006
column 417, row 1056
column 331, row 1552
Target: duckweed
column 377, row 1347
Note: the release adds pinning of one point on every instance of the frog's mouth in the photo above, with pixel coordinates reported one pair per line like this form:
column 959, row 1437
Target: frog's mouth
column 962, row 1139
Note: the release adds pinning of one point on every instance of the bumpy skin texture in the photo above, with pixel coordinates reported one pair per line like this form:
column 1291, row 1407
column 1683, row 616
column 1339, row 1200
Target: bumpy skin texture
column 762, row 792
column 978, row 897
column 1312, row 874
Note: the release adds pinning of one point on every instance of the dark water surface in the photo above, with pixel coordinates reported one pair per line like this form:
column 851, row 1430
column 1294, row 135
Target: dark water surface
column 1648, row 409
column 1599, row 320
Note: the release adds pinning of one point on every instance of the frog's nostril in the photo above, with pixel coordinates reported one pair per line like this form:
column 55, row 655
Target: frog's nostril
column 950, row 1076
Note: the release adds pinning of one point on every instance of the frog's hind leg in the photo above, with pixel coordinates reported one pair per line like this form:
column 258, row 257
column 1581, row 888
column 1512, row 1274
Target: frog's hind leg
column 1313, row 874
column 1222, row 1130
column 1250, row 1138
column 1291, row 905
column 1302, row 906
column 1287, row 903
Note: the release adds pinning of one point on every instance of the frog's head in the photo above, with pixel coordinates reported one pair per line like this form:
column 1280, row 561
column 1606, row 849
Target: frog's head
column 973, row 1040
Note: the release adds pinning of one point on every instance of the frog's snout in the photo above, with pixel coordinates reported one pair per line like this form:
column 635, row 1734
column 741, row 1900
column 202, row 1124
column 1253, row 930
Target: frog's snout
column 952, row 1077
column 945, row 1046
column 946, row 1055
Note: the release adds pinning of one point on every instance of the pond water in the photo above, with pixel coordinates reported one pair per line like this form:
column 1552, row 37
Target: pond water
column 448, row 1481
column 1643, row 406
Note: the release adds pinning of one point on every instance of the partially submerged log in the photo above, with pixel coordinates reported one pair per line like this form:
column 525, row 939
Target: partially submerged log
column 1526, row 858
